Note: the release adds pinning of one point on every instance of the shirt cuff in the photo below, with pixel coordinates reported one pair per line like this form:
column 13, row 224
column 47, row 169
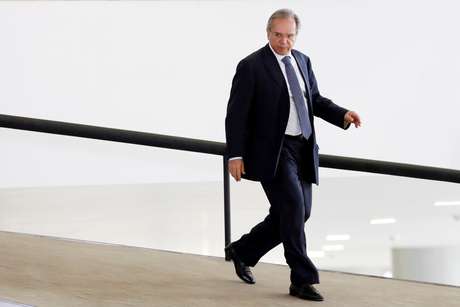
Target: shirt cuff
column 235, row 158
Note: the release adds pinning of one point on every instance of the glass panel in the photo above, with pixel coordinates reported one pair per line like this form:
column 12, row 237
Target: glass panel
column 173, row 200
column 111, row 192
column 371, row 224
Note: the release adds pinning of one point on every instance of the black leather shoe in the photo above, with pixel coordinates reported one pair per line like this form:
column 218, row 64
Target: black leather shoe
column 242, row 270
column 306, row 292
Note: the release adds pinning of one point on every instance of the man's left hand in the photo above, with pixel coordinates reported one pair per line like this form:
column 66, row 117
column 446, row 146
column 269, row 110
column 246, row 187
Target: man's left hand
column 352, row 117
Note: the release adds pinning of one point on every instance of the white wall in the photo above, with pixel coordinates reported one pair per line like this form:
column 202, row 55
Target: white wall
column 166, row 67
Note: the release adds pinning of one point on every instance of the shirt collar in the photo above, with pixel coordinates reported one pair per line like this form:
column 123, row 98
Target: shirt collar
column 279, row 57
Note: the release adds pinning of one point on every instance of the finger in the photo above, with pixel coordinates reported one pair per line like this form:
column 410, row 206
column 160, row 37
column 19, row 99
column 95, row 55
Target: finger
column 242, row 168
column 356, row 119
column 236, row 172
column 232, row 172
column 230, row 166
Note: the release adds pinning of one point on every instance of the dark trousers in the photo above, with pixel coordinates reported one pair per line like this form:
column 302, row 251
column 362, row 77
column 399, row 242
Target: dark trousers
column 290, row 197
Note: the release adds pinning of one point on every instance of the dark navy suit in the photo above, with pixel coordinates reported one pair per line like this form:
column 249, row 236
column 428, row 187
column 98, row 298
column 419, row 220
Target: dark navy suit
column 257, row 115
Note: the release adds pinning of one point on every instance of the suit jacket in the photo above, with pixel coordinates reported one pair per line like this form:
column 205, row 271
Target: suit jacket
column 258, row 112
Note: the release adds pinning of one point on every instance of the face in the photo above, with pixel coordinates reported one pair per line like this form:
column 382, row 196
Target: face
column 282, row 35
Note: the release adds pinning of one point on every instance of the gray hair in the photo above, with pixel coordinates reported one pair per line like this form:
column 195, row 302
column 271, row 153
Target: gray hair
column 284, row 13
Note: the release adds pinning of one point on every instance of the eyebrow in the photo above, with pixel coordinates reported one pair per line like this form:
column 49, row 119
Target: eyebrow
column 283, row 33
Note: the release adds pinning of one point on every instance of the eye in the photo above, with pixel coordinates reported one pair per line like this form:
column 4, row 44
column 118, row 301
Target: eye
column 278, row 34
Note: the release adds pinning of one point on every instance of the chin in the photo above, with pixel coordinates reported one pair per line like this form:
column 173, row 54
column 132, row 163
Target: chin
column 281, row 51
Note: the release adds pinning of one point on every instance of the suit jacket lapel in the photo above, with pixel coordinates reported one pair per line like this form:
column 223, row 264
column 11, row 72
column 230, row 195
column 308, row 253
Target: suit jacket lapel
column 272, row 66
column 303, row 70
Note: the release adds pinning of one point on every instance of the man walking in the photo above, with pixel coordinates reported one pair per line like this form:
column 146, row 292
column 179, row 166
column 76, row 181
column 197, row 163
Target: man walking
column 271, row 138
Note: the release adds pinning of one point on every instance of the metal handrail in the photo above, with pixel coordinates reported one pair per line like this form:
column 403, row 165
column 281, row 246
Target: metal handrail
column 111, row 134
column 218, row 148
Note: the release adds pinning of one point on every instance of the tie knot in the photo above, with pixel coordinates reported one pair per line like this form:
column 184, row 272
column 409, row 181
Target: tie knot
column 286, row 59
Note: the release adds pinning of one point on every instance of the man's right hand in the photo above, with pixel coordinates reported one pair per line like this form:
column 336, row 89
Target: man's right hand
column 236, row 168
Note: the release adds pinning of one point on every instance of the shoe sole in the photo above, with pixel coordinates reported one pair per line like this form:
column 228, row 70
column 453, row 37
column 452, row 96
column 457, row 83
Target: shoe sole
column 310, row 298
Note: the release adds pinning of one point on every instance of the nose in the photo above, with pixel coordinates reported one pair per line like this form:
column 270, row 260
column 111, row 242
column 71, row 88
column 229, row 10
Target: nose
column 283, row 41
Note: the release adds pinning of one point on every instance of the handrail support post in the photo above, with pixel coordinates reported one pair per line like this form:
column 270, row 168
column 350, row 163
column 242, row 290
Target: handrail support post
column 227, row 220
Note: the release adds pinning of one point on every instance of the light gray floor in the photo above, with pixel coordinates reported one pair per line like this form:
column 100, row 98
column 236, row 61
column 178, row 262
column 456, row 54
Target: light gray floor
column 50, row 272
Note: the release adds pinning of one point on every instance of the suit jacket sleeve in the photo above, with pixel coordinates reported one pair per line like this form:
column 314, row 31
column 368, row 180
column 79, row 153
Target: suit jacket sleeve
column 322, row 106
column 238, row 109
